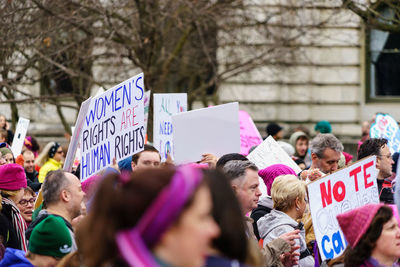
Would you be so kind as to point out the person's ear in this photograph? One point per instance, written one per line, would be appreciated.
(314, 157)
(235, 188)
(297, 203)
(378, 162)
(65, 195)
(133, 165)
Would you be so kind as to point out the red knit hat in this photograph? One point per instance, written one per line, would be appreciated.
(354, 223)
(12, 177)
(271, 172)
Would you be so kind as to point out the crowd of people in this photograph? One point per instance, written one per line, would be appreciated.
(144, 212)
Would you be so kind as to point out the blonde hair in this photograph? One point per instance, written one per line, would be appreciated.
(6, 194)
(44, 155)
(285, 189)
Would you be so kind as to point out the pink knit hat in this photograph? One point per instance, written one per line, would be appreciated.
(12, 177)
(355, 223)
(271, 172)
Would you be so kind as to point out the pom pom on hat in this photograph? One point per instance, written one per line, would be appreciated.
(323, 127)
(354, 223)
(12, 177)
(271, 172)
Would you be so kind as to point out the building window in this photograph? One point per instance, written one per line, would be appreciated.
(383, 58)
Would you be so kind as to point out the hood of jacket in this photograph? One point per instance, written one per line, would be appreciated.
(266, 202)
(273, 220)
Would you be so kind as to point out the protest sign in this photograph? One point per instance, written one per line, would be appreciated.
(339, 192)
(76, 133)
(249, 135)
(397, 188)
(147, 96)
(113, 126)
(212, 130)
(386, 127)
(19, 136)
(165, 105)
(268, 153)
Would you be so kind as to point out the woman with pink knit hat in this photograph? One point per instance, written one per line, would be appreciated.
(373, 234)
(265, 203)
(12, 184)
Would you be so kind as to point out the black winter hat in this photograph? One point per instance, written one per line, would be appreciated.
(273, 128)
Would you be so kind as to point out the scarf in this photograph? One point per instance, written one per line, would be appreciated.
(18, 222)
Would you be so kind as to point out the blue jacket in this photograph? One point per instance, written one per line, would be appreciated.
(15, 257)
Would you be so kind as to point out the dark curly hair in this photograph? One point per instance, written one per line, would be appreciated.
(362, 251)
(371, 147)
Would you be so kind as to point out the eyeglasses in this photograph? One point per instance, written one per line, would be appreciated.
(24, 202)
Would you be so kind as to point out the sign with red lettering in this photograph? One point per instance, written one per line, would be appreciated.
(337, 193)
(113, 126)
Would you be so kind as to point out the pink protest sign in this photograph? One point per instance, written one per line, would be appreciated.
(249, 135)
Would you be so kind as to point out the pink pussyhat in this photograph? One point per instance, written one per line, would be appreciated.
(12, 177)
(354, 223)
(271, 172)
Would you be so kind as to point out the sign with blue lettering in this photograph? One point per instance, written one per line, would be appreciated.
(113, 126)
(339, 192)
(386, 127)
(165, 105)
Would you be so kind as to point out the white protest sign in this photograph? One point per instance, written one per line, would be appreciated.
(339, 192)
(212, 130)
(19, 136)
(76, 133)
(113, 126)
(397, 187)
(386, 127)
(147, 96)
(269, 152)
(165, 105)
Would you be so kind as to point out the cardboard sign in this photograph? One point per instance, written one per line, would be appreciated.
(249, 135)
(339, 192)
(212, 130)
(19, 136)
(165, 105)
(386, 127)
(268, 153)
(147, 96)
(113, 126)
(76, 133)
(397, 188)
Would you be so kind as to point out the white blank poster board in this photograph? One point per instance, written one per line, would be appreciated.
(212, 130)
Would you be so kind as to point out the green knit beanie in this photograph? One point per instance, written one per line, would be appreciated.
(51, 237)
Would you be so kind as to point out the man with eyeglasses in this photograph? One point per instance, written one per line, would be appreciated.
(384, 162)
(26, 205)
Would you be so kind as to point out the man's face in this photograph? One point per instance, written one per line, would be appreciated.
(329, 161)
(147, 159)
(247, 191)
(384, 162)
(76, 195)
(29, 162)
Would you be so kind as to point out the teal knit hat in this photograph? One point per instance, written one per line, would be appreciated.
(51, 237)
(323, 127)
